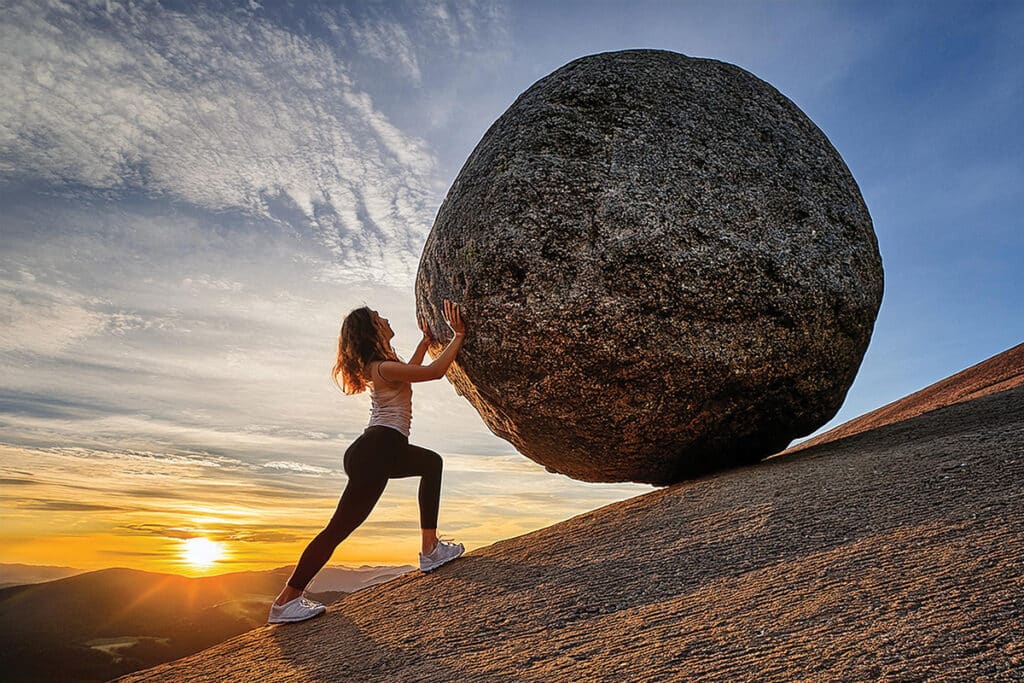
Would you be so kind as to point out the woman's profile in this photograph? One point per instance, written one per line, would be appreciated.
(366, 359)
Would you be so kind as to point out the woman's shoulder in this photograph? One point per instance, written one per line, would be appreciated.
(374, 367)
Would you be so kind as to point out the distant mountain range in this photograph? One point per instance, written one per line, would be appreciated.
(97, 625)
(15, 574)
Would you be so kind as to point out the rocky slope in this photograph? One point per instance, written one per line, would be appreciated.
(998, 373)
(897, 552)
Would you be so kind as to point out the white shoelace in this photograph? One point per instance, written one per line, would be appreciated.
(442, 543)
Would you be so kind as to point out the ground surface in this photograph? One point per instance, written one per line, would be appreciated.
(998, 373)
(896, 553)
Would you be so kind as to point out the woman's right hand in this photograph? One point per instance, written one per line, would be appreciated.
(453, 316)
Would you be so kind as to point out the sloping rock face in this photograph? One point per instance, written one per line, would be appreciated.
(894, 554)
(998, 373)
(665, 266)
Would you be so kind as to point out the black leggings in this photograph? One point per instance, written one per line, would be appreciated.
(378, 454)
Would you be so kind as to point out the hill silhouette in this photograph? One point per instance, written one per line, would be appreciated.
(101, 624)
(895, 552)
(18, 574)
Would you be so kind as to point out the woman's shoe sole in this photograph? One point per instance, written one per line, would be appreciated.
(295, 621)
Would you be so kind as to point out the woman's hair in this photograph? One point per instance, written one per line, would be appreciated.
(359, 343)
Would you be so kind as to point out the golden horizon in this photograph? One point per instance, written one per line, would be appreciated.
(92, 510)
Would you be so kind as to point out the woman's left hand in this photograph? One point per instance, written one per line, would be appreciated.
(427, 338)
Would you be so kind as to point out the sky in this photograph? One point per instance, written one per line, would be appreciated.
(194, 195)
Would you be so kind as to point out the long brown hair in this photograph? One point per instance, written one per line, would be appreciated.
(359, 343)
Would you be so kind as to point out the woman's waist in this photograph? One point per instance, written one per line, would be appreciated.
(391, 409)
(379, 431)
(398, 421)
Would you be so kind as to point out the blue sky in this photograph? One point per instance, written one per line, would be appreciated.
(192, 198)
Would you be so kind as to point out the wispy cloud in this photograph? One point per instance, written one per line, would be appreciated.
(298, 467)
(61, 505)
(27, 310)
(221, 110)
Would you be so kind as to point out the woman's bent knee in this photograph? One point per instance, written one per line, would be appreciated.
(435, 461)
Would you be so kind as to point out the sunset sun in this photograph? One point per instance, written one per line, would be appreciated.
(201, 552)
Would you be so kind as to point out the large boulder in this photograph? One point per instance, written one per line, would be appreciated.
(665, 268)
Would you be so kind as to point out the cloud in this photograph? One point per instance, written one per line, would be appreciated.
(149, 554)
(223, 111)
(239, 533)
(269, 536)
(159, 530)
(298, 467)
(194, 459)
(381, 38)
(45, 322)
(64, 506)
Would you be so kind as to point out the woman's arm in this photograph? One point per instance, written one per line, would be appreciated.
(420, 353)
(405, 372)
(421, 349)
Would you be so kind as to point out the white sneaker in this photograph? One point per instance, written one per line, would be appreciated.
(299, 609)
(442, 552)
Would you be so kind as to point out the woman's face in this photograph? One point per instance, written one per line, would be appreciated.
(384, 326)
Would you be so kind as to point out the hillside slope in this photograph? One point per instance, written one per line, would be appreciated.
(998, 373)
(101, 624)
(895, 552)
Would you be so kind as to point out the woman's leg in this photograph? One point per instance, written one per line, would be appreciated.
(414, 461)
(357, 501)
(366, 464)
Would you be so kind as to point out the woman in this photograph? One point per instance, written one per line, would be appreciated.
(367, 359)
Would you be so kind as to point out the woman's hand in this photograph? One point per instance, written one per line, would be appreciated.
(453, 316)
(428, 339)
(413, 371)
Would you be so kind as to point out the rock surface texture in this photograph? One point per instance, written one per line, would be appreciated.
(892, 555)
(665, 268)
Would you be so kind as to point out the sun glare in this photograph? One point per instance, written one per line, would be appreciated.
(201, 552)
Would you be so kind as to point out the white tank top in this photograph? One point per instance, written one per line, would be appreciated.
(390, 402)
